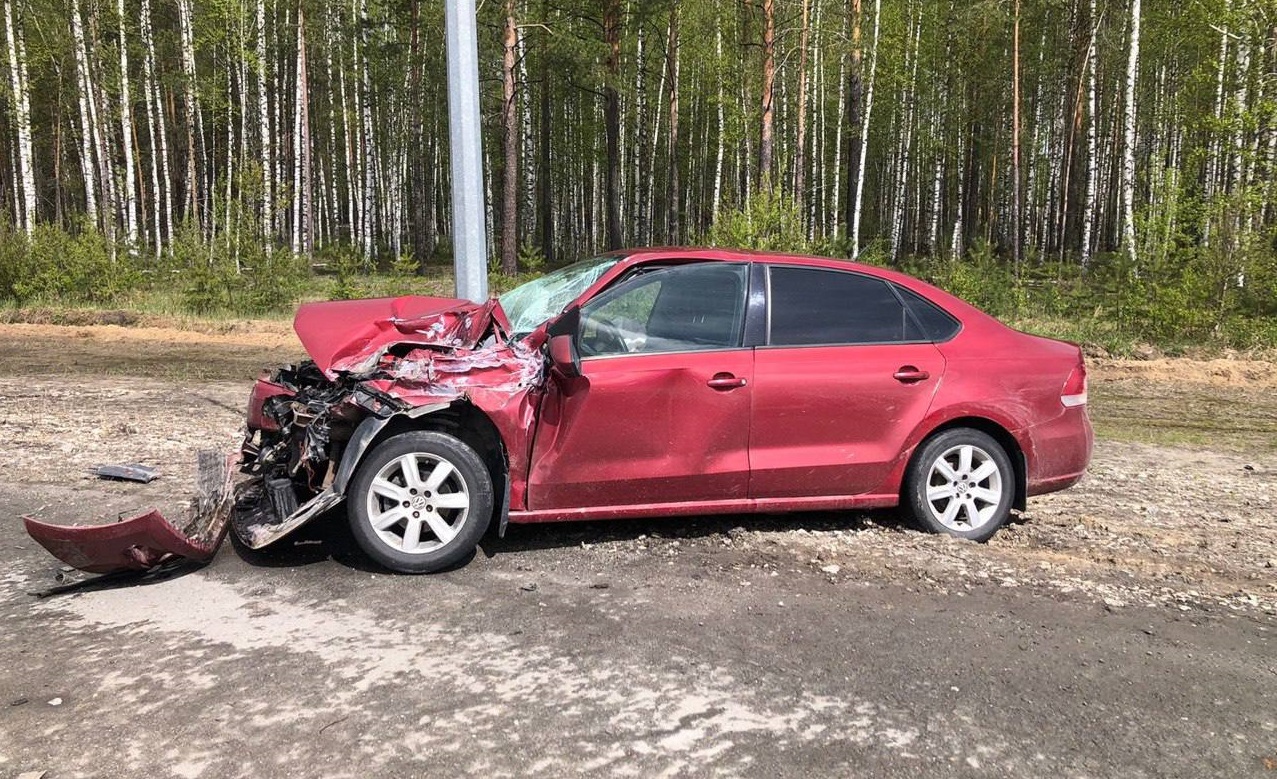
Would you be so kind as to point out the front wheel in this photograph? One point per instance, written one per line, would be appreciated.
(420, 502)
(961, 484)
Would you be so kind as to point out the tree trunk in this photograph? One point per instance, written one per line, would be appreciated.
(265, 138)
(1017, 194)
(302, 239)
(766, 139)
(22, 116)
(417, 164)
(721, 135)
(800, 144)
(126, 138)
(1092, 148)
(674, 212)
(1128, 147)
(864, 135)
(545, 194)
(510, 148)
(612, 122)
(191, 104)
(161, 194)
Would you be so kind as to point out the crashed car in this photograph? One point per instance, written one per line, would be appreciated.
(658, 383)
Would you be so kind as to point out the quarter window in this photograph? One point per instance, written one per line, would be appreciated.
(936, 324)
(812, 306)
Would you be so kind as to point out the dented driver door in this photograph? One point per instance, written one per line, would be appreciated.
(660, 411)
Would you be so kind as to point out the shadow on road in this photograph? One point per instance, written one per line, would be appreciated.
(70, 585)
(328, 537)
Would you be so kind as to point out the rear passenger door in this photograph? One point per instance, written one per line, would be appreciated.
(843, 376)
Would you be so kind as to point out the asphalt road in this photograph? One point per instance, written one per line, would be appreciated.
(554, 653)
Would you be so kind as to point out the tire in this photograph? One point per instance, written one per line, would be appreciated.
(408, 528)
(960, 483)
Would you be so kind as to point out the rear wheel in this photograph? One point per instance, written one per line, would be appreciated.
(420, 502)
(960, 483)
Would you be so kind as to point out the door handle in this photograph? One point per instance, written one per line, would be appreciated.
(725, 381)
(908, 374)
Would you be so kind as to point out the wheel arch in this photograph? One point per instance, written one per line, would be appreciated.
(995, 431)
(460, 419)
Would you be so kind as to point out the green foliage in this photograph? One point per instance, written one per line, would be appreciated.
(52, 265)
(1194, 296)
(344, 261)
(531, 259)
(770, 221)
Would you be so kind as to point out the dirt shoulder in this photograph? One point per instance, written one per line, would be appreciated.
(1175, 509)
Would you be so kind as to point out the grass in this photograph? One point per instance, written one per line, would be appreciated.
(1242, 419)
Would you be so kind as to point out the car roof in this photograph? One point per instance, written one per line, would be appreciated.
(968, 314)
(649, 254)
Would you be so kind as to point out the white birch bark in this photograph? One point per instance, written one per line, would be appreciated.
(161, 194)
(87, 164)
(230, 237)
(955, 245)
(1236, 175)
(194, 121)
(835, 213)
(349, 145)
(722, 141)
(1213, 154)
(1092, 150)
(900, 201)
(263, 128)
(301, 146)
(1128, 147)
(864, 135)
(937, 179)
(22, 117)
(368, 157)
(637, 231)
(527, 208)
(126, 138)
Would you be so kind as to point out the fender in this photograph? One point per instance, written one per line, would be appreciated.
(938, 418)
(258, 526)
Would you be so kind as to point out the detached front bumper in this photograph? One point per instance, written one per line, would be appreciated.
(141, 543)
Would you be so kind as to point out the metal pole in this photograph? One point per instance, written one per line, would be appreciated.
(470, 250)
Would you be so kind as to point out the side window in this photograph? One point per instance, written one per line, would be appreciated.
(811, 306)
(937, 325)
(674, 309)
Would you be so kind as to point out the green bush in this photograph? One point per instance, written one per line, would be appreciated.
(53, 265)
(769, 222)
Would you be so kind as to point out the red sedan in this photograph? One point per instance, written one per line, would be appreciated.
(658, 382)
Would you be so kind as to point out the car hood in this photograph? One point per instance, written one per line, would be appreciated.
(350, 336)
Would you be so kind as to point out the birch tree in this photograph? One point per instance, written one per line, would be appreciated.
(126, 136)
(1128, 146)
(864, 136)
(26, 216)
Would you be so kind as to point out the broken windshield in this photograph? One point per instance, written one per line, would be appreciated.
(528, 305)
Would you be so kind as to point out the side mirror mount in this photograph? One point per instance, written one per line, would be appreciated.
(563, 354)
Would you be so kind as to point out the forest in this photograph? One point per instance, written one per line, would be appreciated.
(1101, 169)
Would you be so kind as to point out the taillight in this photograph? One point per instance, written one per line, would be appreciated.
(1074, 391)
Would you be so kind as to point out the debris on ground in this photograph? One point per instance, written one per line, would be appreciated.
(130, 472)
(148, 540)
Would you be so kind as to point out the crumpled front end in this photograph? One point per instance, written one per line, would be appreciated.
(374, 361)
